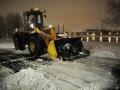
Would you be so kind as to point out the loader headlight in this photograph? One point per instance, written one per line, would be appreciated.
(50, 26)
(32, 25)
(16, 30)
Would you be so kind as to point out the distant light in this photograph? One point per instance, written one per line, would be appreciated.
(87, 39)
(101, 38)
(116, 39)
(109, 33)
(50, 26)
(93, 38)
(117, 33)
(69, 33)
(109, 39)
(36, 9)
(74, 33)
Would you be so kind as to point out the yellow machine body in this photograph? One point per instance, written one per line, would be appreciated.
(49, 40)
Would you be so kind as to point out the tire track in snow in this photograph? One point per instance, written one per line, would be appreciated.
(78, 80)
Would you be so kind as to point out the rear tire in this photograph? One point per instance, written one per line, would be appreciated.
(17, 43)
(36, 46)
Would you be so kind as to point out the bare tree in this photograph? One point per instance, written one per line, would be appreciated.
(2, 27)
(112, 14)
(13, 20)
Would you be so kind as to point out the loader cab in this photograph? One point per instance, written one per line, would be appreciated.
(33, 18)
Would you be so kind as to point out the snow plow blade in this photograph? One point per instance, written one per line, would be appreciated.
(70, 48)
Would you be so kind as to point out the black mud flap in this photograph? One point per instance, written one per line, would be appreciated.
(70, 48)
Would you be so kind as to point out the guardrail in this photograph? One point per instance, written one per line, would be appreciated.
(101, 38)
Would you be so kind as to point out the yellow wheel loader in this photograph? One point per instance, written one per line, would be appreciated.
(43, 39)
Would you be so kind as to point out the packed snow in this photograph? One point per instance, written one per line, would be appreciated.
(105, 49)
(6, 45)
(26, 79)
(77, 76)
(103, 53)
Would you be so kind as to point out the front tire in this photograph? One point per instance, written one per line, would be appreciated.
(36, 46)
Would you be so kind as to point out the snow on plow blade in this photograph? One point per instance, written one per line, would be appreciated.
(70, 48)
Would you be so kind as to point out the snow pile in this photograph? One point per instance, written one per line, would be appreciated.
(5, 71)
(101, 51)
(6, 45)
(100, 85)
(26, 79)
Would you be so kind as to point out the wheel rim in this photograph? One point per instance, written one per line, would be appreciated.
(32, 46)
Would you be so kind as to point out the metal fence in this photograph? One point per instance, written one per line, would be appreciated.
(101, 38)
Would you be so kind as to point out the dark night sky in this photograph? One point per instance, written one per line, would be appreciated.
(76, 15)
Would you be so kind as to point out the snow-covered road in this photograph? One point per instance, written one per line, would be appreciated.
(89, 73)
(77, 76)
